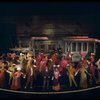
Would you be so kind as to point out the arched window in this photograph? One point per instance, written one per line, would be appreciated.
(91, 47)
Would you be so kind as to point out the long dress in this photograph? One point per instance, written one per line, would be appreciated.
(38, 62)
(11, 71)
(46, 79)
(63, 63)
(43, 64)
(71, 72)
(23, 64)
(93, 71)
(38, 59)
(2, 77)
(56, 83)
(16, 84)
(54, 59)
(30, 74)
(98, 64)
(83, 78)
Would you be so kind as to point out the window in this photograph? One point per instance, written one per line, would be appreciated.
(91, 47)
(78, 46)
(24, 44)
(35, 46)
(42, 46)
(49, 47)
(84, 46)
(73, 47)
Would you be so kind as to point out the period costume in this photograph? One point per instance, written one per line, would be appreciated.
(98, 64)
(29, 76)
(92, 70)
(83, 77)
(2, 74)
(54, 60)
(16, 81)
(71, 73)
(2, 77)
(30, 73)
(63, 62)
(23, 62)
(38, 59)
(46, 78)
(92, 67)
(55, 78)
(11, 71)
(43, 64)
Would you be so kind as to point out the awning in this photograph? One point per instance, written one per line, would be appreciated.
(81, 39)
(39, 38)
(19, 49)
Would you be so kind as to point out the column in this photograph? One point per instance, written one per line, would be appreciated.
(94, 47)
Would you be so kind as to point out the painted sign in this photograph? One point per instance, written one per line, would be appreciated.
(76, 57)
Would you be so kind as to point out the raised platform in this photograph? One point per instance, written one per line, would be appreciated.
(93, 92)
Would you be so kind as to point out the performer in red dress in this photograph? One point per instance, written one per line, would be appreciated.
(92, 67)
(16, 81)
(43, 63)
(38, 59)
(54, 60)
(2, 75)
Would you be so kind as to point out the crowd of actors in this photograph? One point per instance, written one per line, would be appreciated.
(20, 71)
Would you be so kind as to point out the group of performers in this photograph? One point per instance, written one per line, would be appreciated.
(20, 71)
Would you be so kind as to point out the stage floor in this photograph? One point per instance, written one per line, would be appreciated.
(93, 92)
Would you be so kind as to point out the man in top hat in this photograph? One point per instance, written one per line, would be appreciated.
(46, 78)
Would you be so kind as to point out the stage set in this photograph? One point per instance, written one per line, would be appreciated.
(51, 63)
(49, 55)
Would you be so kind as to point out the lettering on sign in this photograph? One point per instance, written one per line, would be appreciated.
(76, 57)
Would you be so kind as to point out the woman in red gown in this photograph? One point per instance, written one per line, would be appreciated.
(16, 81)
(2, 75)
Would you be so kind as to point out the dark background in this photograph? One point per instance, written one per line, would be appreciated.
(87, 13)
(12, 12)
